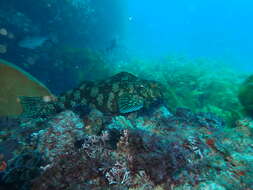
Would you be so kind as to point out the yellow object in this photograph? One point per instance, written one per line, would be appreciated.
(15, 82)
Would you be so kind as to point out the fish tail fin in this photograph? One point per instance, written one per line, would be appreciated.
(37, 107)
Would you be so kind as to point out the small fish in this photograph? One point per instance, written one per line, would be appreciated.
(32, 42)
(120, 94)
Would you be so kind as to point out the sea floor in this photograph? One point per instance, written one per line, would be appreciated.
(140, 150)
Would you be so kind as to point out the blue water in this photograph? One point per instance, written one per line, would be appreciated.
(217, 29)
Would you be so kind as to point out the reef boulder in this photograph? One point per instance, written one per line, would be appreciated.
(62, 131)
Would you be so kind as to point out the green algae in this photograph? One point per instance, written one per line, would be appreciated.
(203, 85)
(246, 95)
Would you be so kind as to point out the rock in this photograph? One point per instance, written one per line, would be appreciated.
(210, 186)
(10, 147)
(95, 121)
(184, 112)
(120, 123)
(24, 168)
(61, 134)
(242, 157)
(161, 112)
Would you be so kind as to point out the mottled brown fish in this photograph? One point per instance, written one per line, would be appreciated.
(119, 94)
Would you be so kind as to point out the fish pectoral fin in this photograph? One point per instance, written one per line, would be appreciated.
(36, 106)
(127, 103)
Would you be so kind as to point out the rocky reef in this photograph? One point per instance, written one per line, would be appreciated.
(152, 150)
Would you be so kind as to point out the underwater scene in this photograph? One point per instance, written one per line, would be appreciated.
(126, 95)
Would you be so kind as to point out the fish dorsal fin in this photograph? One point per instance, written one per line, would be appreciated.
(124, 77)
(129, 103)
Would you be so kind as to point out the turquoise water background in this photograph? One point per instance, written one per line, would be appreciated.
(218, 29)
